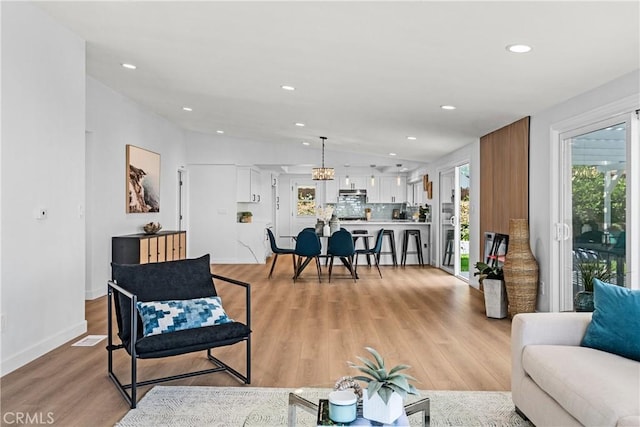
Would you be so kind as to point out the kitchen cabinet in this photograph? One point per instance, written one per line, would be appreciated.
(356, 182)
(416, 194)
(391, 192)
(248, 185)
(146, 248)
(331, 191)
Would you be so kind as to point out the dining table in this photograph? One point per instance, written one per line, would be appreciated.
(325, 244)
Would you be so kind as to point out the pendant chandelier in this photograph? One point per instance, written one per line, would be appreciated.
(322, 174)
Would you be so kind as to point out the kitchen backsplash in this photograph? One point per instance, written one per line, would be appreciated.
(379, 211)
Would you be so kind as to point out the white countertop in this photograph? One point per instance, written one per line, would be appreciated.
(383, 222)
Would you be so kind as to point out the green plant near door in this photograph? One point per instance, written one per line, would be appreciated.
(590, 270)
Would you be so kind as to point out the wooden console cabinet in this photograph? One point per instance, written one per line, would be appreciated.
(146, 248)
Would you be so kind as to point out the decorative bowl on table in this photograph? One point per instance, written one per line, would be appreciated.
(152, 228)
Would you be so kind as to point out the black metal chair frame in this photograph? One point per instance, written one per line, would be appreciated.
(131, 399)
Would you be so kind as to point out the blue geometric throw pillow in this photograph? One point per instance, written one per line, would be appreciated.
(615, 325)
(159, 317)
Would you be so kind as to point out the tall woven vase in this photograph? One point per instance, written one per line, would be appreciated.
(520, 270)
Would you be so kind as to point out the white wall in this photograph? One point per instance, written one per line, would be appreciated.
(113, 121)
(43, 123)
(212, 212)
(544, 181)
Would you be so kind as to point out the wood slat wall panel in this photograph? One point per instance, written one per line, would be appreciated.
(504, 177)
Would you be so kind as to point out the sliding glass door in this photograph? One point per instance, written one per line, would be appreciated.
(454, 220)
(594, 204)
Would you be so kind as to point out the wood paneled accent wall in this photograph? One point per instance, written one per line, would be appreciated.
(504, 178)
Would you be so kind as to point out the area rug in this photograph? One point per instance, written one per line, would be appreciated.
(257, 406)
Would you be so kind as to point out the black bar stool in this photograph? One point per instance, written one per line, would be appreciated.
(392, 245)
(405, 246)
(448, 248)
(366, 242)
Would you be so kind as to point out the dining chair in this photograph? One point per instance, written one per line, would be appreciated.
(341, 245)
(308, 246)
(279, 251)
(375, 251)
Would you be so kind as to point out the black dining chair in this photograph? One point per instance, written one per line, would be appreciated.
(279, 251)
(375, 251)
(341, 245)
(308, 246)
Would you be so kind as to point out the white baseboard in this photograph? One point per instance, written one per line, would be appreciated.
(36, 350)
(90, 294)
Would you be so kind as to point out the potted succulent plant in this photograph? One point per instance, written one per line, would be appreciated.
(588, 271)
(383, 398)
(491, 278)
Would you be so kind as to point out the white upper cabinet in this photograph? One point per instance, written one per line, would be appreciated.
(391, 192)
(356, 182)
(331, 191)
(248, 185)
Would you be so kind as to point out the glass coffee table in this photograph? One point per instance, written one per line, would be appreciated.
(307, 401)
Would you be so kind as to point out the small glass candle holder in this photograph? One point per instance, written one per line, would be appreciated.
(342, 406)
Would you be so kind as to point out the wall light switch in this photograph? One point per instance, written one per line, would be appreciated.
(41, 213)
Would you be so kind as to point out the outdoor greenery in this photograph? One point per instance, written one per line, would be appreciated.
(590, 270)
(588, 200)
(464, 215)
(306, 205)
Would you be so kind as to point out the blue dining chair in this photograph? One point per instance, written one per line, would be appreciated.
(375, 251)
(308, 246)
(279, 251)
(341, 245)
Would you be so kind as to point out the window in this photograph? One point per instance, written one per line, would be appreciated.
(306, 201)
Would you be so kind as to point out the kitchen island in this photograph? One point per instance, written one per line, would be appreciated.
(398, 227)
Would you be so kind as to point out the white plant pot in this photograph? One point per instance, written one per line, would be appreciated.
(375, 409)
(495, 298)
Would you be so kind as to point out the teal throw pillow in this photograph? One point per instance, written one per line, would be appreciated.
(159, 317)
(615, 326)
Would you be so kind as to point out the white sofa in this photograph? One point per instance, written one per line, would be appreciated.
(555, 382)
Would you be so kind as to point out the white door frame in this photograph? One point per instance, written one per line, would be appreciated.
(622, 110)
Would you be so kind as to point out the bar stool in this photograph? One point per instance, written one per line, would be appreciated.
(448, 248)
(366, 242)
(392, 245)
(405, 246)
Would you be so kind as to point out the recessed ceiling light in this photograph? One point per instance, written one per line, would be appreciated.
(285, 87)
(187, 108)
(300, 124)
(219, 131)
(305, 143)
(411, 138)
(448, 107)
(129, 66)
(519, 48)
(392, 154)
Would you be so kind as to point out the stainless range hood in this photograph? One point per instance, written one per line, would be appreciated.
(352, 192)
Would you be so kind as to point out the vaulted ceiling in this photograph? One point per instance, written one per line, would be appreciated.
(367, 75)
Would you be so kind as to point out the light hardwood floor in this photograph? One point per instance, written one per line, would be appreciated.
(303, 334)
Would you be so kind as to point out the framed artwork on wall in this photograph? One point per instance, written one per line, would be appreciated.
(142, 180)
